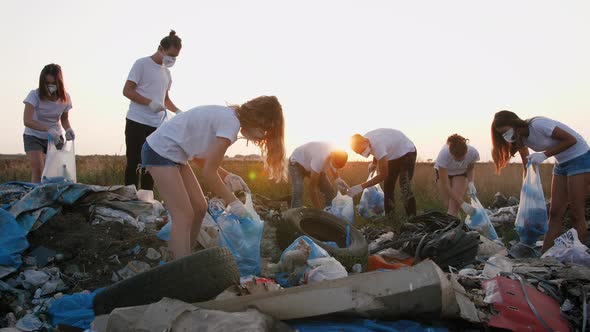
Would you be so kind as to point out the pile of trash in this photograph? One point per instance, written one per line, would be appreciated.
(96, 257)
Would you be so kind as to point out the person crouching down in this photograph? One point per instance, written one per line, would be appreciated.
(320, 161)
(203, 134)
(454, 173)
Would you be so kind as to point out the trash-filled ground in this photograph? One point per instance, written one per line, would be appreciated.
(76, 256)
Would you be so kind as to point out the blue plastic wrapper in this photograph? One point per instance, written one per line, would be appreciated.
(531, 220)
(282, 278)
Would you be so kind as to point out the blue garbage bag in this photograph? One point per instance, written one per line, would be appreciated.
(531, 220)
(372, 203)
(13, 240)
(242, 236)
(73, 310)
(480, 221)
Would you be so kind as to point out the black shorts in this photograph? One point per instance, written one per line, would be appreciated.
(34, 143)
(436, 176)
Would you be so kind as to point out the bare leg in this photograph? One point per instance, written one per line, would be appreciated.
(197, 198)
(172, 188)
(576, 189)
(559, 202)
(37, 162)
(458, 186)
(446, 198)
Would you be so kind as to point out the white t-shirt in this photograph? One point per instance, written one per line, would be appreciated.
(47, 112)
(446, 160)
(312, 156)
(153, 81)
(539, 139)
(389, 143)
(189, 134)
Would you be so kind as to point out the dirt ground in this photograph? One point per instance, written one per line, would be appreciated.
(91, 248)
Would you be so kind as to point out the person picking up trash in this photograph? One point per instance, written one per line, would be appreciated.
(396, 158)
(453, 171)
(147, 88)
(571, 172)
(320, 161)
(204, 134)
(47, 110)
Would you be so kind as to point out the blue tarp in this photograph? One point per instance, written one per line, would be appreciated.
(361, 325)
(13, 240)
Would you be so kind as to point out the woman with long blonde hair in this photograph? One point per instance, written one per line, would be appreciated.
(204, 134)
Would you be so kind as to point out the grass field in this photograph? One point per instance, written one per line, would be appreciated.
(108, 170)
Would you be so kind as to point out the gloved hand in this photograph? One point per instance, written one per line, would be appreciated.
(236, 207)
(341, 184)
(472, 190)
(156, 106)
(70, 136)
(235, 183)
(467, 208)
(536, 158)
(56, 137)
(353, 191)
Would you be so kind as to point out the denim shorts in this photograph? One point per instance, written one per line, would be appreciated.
(34, 143)
(149, 157)
(578, 165)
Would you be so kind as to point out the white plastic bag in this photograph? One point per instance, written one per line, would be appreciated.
(326, 268)
(343, 207)
(372, 201)
(531, 219)
(568, 249)
(480, 221)
(60, 165)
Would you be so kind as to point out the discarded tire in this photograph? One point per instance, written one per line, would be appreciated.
(195, 278)
(323, 227)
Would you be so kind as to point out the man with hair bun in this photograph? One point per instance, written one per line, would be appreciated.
(147, 88)
(454, 173)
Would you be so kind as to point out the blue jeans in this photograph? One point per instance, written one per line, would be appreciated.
(149, 157)
(578, 165)
(298, 174)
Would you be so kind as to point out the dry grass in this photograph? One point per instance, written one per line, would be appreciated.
(109, 170)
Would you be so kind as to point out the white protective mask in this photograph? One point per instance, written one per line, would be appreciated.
(52, 88)
(366, 152)
(168, 61)
(509, 136)
(253, 134)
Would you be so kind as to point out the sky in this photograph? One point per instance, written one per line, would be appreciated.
(428, 68)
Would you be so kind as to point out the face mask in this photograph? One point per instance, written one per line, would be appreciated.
(366, 152)
(254, 134)
(334, 169)
(168, 61)
(509, 136)
(52, 88)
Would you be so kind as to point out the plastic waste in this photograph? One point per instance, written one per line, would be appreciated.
(73, 310)
(567, 248)
(480, 221)
(241, 235)
(34, 278)
(343, 207)
(372, 201)
(325, 268)
(531, 219)
(60, 165)
(293, 261)
(29, 322)
(153, 254)
(133, 268)
(495, 265)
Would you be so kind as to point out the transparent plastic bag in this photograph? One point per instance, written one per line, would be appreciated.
(242, 236)
(531, 219)
(372, 201)
(60, 165)
(568, 249)
(480, 221)
(343, 207)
